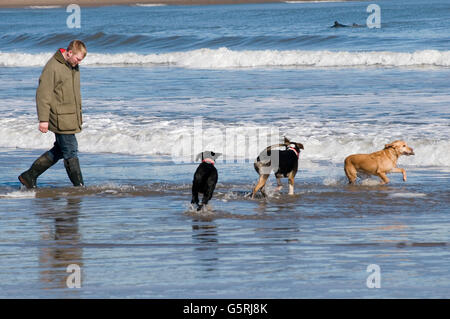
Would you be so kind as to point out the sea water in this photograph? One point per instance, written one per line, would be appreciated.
(162, 83)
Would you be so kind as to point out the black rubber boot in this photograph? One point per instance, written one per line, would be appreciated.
(29, 177)
(73, 170)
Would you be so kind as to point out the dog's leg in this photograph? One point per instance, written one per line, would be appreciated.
(280, 186)
(383, 176)
(194, 194)
(350, 172)
(208, 195)
(291, 183)
(400, 170)
(263, 191)
(261, 182)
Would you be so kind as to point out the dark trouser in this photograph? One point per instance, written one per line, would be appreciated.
(66, 146)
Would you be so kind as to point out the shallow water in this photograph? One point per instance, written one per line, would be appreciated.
(138, 238)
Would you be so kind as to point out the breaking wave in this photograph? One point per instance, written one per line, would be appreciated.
(182, 140)
(224, 58)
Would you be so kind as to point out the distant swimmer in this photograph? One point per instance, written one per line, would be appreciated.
(338, 25)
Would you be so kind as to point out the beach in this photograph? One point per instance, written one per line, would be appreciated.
(161, 84)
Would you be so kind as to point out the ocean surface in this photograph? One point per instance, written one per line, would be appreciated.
(163, 83)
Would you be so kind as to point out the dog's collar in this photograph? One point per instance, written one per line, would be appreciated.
(294, 150)
(209, 161)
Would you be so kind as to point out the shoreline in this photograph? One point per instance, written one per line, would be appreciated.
(100, 3)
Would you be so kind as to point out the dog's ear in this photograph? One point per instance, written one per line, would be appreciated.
(286, 141)
(389, 145)
(199, 157)
(300, 146)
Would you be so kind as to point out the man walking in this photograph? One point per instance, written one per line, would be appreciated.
(58, 102)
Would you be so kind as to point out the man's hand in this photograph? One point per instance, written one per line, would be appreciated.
(43, 127)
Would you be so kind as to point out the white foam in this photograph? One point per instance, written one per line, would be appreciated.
(110, 133)
(205, 211)
(224, 58)
(371, 182)
(408, 195)
(19, 194)
(335, 180)
(43, 7)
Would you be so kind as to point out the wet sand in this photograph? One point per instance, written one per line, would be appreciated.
(26, 3)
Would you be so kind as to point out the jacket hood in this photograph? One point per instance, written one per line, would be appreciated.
(60, 58)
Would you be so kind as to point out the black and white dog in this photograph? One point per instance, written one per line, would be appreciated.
(283, 162)
(205, 178)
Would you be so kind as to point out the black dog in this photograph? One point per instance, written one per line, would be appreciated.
(283, 162)
(205, 178)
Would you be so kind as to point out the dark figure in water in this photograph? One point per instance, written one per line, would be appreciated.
(338, 25)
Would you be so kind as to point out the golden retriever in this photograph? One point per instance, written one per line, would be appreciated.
(378, 163)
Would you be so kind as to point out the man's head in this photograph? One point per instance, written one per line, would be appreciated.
(76, 52)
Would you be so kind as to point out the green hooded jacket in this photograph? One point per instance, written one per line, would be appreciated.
(58, 96)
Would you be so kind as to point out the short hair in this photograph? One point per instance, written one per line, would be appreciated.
(77, 46)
